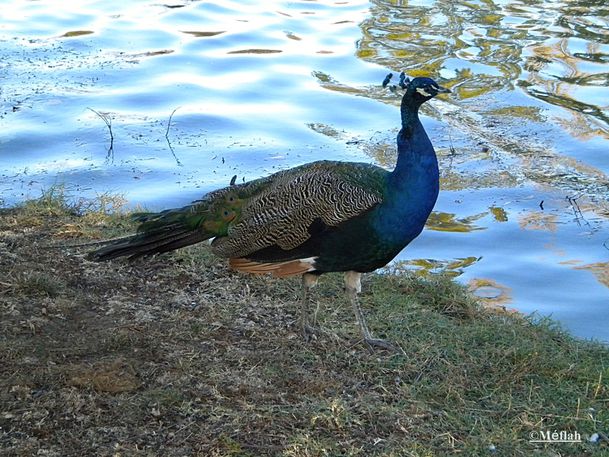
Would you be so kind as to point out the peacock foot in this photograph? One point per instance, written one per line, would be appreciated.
(381, 344)
(310, 332)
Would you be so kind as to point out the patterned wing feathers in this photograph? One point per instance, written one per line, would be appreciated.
(281, 212)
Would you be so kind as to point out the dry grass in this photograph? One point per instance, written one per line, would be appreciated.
(177, 356)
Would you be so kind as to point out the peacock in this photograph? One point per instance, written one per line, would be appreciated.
(320, 217)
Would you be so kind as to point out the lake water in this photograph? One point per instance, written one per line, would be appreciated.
(197, 92)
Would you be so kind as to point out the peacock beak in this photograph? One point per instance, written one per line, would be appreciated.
(443, 90)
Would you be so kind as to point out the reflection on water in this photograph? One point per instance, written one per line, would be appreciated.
(556, 51)
(423, 267)
(532, 84)
(499, 213)
(197, 92)
(538, 221)
(509, 62)
(446, 222)
(600, 270)
(491, 293)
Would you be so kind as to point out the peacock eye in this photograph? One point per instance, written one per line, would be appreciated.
(225, 213)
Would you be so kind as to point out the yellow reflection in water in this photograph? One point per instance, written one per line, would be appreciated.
(538, 220)
(490, 293)
(550, 49)
(425, 267)
(449, 222)
(599, 269)
(557, 89)
(76, 33)
(452, 180)
(499, 214)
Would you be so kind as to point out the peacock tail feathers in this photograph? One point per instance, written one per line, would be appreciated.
(280, 211)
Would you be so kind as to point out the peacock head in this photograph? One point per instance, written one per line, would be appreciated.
(418, 90)
(423, 89)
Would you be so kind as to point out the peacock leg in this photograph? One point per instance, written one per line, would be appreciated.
(353, 287)
(308, 320)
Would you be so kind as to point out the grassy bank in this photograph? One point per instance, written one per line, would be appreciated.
(178, 356)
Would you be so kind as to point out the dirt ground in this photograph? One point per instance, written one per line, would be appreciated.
(178, 356)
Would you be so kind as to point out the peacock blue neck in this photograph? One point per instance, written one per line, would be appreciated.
(409, 110)
(413, 185)
(416, 156)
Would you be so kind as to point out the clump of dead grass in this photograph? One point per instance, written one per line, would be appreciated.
(35, 283)
(57, 212)
(176, 355)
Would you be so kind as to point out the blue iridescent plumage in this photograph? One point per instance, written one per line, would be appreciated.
(319, 217)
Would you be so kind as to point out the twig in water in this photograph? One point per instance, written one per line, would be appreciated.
(451, 148)
(167, 137)
(452, 153)
(577, 212)
(108, 121)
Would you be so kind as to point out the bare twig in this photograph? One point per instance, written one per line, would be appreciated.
(453, 151)
(108, 121)
(167, 137)
(577, 212)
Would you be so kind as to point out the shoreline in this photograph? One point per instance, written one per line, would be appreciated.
(176, 355)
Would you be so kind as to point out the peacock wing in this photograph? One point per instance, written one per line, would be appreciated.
(281, 209)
